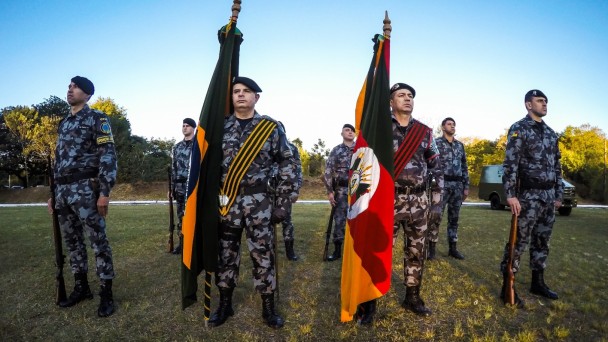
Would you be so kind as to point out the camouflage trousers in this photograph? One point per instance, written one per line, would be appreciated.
(180, 200)
(288, 227)
(534, 227)
(410, 210)
(252, 214)
(76, 206)
(452, 198)
(341, 197)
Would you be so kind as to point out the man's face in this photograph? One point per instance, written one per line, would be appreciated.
(348, 134)
(76, 95)
(187, 130)
(449, 127)
(402, 101)
(243, 97)
(538, 106)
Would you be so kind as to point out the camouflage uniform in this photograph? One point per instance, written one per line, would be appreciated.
(456, 181)
(252, 208)
(287, 224)
(180, 166)
(411, 199)
(336, 170)
(85, 168)
(533, 159)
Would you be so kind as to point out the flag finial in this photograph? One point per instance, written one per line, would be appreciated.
(236, 8)
(387, 28)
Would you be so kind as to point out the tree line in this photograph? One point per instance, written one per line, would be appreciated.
(28, 135)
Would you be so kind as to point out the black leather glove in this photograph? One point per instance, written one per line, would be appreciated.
(278, 215)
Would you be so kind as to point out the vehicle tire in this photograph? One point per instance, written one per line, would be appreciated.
(495, 203)
(565, 211)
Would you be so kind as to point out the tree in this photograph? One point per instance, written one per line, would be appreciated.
(317, 158)
(304, 156)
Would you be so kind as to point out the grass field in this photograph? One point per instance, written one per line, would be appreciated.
(462, 294)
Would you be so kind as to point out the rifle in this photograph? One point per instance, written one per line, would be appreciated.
(273, 188)
(171, 218)
(509, 291)
(60, 294)
(331, 220)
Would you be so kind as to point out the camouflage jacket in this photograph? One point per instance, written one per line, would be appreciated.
(274, 150)
(424, 161)
(298, 165)
(180, 161)
(533, 158)
(453, 160)
(85, 142)
(337, 166)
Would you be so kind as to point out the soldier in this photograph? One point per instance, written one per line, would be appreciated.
(252, 143)
(84, 173)
(180, 166)
(455, 191)
(416, 156)
(533, 184)
(336, 183)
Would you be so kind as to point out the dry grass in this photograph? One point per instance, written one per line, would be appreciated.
(462, 294)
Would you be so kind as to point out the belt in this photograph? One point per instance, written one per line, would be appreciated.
(538, 186)
(410, 190)
(342, 183)
(252, 190)
(453, 178)
(181, 180)
(76, 176)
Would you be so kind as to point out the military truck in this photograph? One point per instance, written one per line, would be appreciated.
(491, 189)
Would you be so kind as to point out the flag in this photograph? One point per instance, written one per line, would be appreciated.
(201, 218)
(367, 258)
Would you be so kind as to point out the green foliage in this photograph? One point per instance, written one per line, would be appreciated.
(317, 158)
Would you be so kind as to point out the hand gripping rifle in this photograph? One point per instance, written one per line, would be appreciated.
(509, 291)
(171, 218)
(60, 294)
(331, 220)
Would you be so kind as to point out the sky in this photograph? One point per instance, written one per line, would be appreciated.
(470, 60)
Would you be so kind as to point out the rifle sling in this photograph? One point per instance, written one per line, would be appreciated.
(241, 162)
(408, 146)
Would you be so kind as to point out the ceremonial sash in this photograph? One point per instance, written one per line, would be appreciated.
(408, 146)
(242, 161)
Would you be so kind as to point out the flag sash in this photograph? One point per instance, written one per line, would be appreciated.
(408, 146)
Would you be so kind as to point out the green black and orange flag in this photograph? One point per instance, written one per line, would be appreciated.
(367, 260)
(201, 219)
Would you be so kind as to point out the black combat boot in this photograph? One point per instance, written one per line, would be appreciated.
(539, 287)
(454, 253)
(270, 316)
(337, 252)
(431, 253)
(505, 283)
(224, 310)
(291, 255)
(81, 291)
(178, 248)
(106, 302)
(365, 312)
(413, 302)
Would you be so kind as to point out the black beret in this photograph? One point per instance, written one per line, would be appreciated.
(348, 126)
(84, 84)
(535, 93)
(398, 86)
(248, 82)
(190, 122)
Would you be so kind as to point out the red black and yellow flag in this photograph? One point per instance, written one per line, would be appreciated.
(367, 261)
(201, 219)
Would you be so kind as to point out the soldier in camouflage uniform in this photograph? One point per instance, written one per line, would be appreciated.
(533, 184)
(180, 166)
(455, 190)
(85, 172)
(288, 228)
(411, 200)
(336, 184)
(252, 209)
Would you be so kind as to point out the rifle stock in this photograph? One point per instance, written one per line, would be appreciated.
(331, 219)
(60, 294)
(509, 291)
(171, 217)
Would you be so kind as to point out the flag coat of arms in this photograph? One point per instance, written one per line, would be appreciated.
(367, 257)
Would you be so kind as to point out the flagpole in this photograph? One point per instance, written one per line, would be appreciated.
(387, 28)
(236, 9)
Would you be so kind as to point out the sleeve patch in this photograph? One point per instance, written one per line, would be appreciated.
(105, 140)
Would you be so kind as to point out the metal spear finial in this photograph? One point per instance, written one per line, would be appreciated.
(387, 28)
(236, 8)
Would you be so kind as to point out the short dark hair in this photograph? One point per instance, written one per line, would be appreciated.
(446, 120)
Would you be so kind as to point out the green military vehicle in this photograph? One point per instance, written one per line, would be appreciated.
(491, 189)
